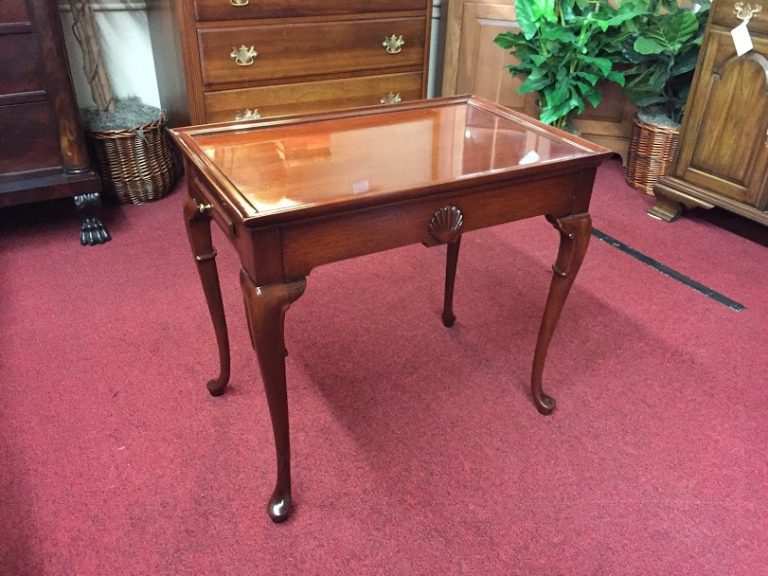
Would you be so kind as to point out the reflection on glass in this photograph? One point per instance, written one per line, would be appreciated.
(530, 157)
(280, 168)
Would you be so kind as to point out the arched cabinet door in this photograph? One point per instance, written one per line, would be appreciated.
(724, 146)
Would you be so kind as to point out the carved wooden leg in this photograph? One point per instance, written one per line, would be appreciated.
(265, 307)
(574, 239)
(450, 277)
(93, 231)
(198, 222)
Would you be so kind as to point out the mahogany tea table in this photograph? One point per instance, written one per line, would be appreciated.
(296, 192)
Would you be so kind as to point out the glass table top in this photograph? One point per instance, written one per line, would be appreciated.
(295, 165)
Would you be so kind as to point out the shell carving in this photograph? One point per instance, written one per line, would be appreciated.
(446, 224)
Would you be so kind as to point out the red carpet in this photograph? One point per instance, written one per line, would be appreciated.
(416, 448)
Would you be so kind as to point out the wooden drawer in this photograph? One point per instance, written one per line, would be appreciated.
(309, 49)
(30, 140)
(13, 12)
(20, 63)
(724, 14)
(319, 96)
(227, 10)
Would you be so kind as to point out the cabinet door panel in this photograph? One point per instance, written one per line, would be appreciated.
(13, 12)
(30, 140)
(301, 50)
(319, 96)
(20, 63)
(726, 150)
(482, 65)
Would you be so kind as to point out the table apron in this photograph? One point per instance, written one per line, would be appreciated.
(310, 243)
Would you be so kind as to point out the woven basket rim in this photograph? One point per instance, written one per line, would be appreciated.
(655, 127)
(159, 123)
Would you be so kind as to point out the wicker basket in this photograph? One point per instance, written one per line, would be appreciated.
(135, 164)
(651, 152)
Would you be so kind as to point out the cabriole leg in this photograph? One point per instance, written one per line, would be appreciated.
(449, 318)
(198, 222)
(574, 239)
(265, 308)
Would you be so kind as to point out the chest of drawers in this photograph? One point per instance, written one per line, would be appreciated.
(220, 60)
(42, 148)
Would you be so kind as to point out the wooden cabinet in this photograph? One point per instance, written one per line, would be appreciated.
(723, 156)
(42, 148)
(473, 64)
(220, 60)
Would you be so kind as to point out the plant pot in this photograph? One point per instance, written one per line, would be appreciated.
(652, 150)
(135, 164)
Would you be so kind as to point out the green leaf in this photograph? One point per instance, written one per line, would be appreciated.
(616, 76)
(685, 63)
(602, 64)
(647, 45)
(679, 28)
(594, 97)
(543, 10)
(507, 40)
(524, 9)
(561, 91)
(577, 101)
(550, 115)
(558, 34)
(534, 84)
(588, 76)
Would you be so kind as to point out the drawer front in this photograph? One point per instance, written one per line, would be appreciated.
(13, 12)
(30, 141)
(725, 15)
(322, 96)
(20, 63)
(244, 9)
(301, 50)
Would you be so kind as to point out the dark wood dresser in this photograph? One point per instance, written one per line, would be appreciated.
(220, 60)
(42, 148)
(723, 157)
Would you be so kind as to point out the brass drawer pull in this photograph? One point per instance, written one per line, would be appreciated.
(745, 12)
(394, 44)
(239, 2)
(391, 98)
(243, 56)
(203, 207)
(248, 114)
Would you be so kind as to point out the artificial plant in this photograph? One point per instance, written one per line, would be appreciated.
(564, 50)
(661, 46)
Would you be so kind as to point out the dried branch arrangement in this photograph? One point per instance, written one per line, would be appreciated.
(86, 34)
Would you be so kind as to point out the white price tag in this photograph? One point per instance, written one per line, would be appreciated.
(741, 38)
